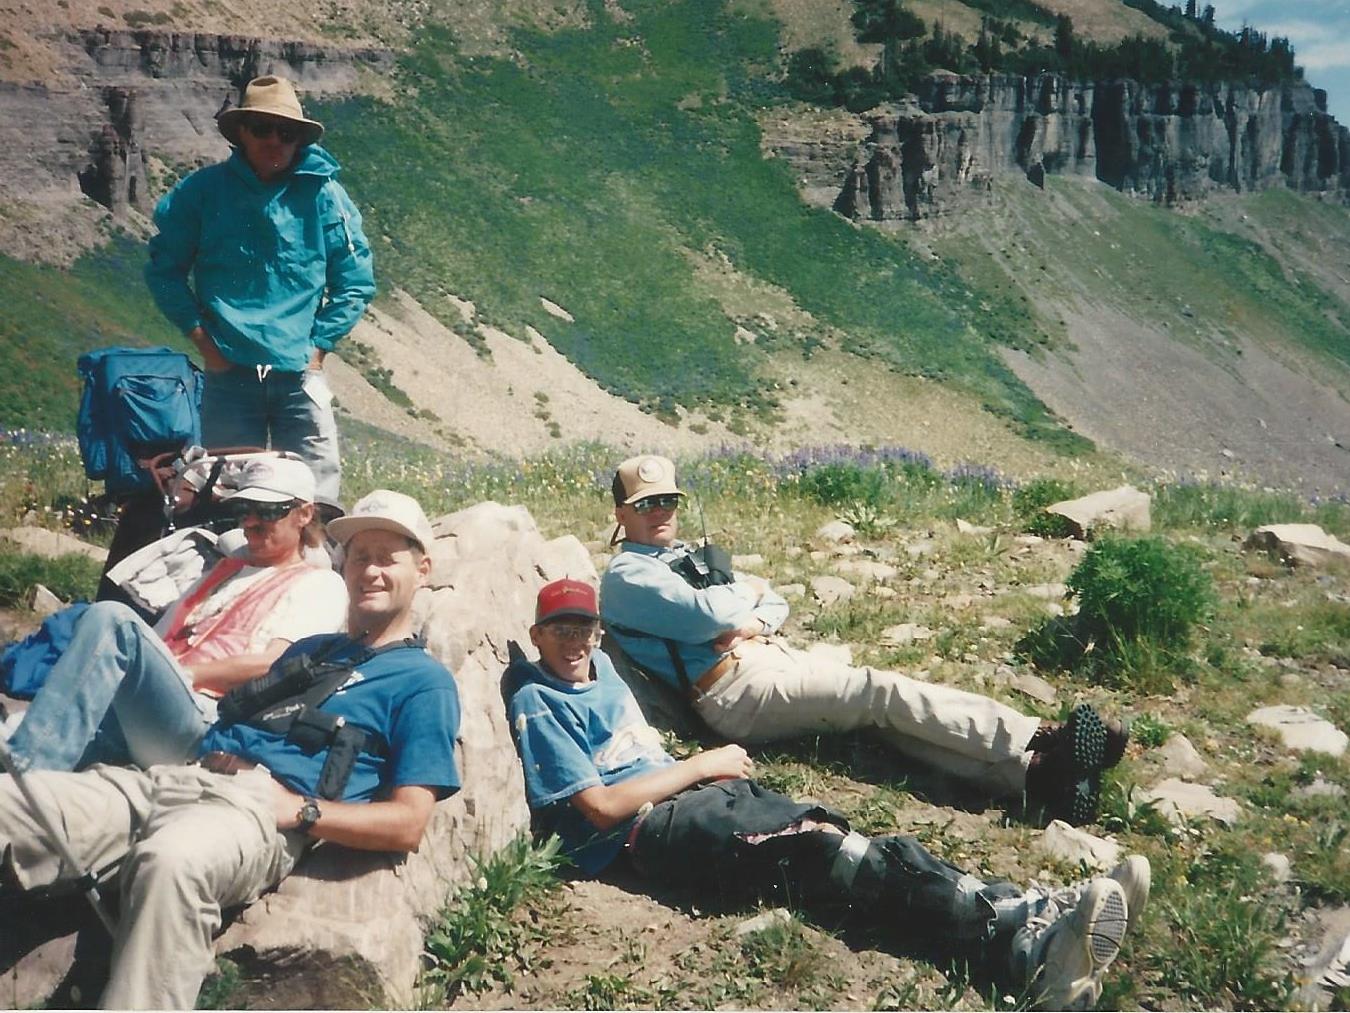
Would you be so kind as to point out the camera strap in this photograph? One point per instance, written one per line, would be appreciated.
(300, 719)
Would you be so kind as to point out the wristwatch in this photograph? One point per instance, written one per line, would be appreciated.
(308, 815)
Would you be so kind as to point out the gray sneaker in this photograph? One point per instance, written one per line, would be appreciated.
(1134, 876)
(1067, 944)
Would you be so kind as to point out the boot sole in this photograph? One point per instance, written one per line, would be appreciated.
(1088, 734)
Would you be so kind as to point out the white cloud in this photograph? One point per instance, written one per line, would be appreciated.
(1323, 55)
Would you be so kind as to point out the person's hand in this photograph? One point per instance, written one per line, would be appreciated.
(316, 358)
(754, 628)
(212, 360)
(725, 762)
(286, 806)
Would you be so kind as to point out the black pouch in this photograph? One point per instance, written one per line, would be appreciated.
(313, 729)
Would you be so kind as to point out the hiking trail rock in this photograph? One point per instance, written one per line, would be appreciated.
(51, 544)
(829, 590)
(1299, 545)
(836, 531)
(1300, 729)
(1069, 844)
(1125, 508)
(867, 570)
(905, 633)
(1180, 800)
(1178, 757)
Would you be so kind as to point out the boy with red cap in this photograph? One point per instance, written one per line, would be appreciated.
(597, 776)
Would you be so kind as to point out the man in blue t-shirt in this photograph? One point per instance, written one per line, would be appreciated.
(194, 839)
(596, 775)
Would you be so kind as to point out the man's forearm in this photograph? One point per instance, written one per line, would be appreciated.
(394, 825)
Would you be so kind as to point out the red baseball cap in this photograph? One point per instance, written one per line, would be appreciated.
(566, 598)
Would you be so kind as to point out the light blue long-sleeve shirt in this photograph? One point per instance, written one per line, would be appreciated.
(640, 591)
(277, 269)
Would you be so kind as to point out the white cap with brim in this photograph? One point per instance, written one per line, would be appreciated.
(274, 480)
(384, 510)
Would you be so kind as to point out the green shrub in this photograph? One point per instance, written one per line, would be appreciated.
(1030, 501)
(1139, 603)
(838, 484)
(69, 577)
(477, 939)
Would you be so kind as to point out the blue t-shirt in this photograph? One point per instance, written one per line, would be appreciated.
(574, 736)
(403, 694)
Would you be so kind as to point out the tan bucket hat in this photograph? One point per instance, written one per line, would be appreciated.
(268, 96)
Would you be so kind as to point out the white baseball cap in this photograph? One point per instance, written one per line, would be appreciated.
(274, 480)
(384, 510)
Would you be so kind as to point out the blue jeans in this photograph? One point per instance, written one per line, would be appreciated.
(116, 696)
(281, 411)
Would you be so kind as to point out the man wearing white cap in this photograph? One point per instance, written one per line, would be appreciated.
(280, 271)
(356, 756)
(711, 634)
(125, 693)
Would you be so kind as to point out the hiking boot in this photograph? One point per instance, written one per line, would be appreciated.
(1064, 948)
(1067, 760)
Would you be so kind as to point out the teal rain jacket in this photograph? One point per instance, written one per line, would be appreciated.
(278, 269)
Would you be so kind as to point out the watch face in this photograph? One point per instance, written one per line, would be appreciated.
(309, 814)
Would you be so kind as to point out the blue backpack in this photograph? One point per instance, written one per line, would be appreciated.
(137, 403)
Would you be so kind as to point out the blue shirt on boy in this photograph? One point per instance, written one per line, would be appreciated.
(403, 694)
(573, 736)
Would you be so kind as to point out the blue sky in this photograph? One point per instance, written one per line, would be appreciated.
(1319, 30)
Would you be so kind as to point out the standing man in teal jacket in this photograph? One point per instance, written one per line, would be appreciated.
(280, 271)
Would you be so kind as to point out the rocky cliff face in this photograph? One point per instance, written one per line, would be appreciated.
(940, 149)
(125, 99)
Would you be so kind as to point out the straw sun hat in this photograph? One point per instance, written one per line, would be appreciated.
(268, 96)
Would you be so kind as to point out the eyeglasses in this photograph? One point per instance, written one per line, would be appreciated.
(263, 129)
(667, 501)
(266, 512)
(572, 631)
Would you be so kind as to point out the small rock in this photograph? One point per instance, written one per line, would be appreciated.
(749, 562)
(1181, 759)
(829, 590)
(1074, 846)
(1279, 865)
(916, 550)
(905, 633)
(836, 531)
(995, 623)
(1125, 507)
(1320, 788)
(818, 556)
(1027, 539)
(793, 551)
(791, 591)
(866, 570)
(767, 920)
(554, 310)
(956, 602)
(1178, 800)
(1298, 545)
(882, 591)
(43, 602)
(1033, 686)
(1301, 730)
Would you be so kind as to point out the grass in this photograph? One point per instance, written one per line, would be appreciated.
(70, 577)
(477, 939)
(1216, 933)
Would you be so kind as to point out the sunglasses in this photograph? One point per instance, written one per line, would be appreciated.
(263, 129)
(572, 631)
(266, 512)
(667, 501)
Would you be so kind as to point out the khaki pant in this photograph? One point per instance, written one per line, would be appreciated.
(774, 691)
(190, 843)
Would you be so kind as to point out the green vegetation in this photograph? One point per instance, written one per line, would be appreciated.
(656, 155)
(70, 577)
(1140, 601)
(477, 939)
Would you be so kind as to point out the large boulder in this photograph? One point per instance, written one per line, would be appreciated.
(1299, 545)
(346, 928)
(52, 544)
(1125, 508)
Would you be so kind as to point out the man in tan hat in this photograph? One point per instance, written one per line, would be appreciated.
(711, 634)
(262, 262)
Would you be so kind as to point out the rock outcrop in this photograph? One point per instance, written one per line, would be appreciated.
(939, 150)
(346, 928)
(1125, 508)
(127, 101)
